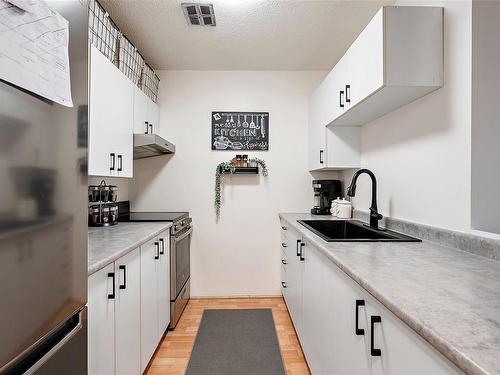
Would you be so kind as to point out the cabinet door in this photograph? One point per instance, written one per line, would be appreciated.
(141, 112)
(128, 314)
(402, 351)
(315, 318)
(103, 109)
(316, 129)
(124, 132)
(164, 283)
(149, 300)
(154, 116)
(101, 323)
(366, 62)
(337, 94)
(348, 349)
(294, 275)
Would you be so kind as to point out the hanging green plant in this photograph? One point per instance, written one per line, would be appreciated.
(228, 168)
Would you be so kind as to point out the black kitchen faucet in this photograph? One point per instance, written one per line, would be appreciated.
(351, 191)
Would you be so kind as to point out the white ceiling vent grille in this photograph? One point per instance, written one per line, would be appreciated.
(199, 14)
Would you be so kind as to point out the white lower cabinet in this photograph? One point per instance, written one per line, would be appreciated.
(101, 321)
(129, 309)
(334, 324)
(128, 314)
(155, 294)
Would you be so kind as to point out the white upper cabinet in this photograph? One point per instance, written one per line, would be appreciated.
(146, 114)
(396, 59)
(110, 119)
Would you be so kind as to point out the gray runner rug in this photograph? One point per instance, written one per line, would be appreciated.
(236, 342)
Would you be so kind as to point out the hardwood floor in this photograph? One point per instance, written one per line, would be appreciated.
(172, 356)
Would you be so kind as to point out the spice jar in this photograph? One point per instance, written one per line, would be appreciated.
(238, 161)
(104, 193)
(113, 214)
(94, 195)
(113, 193)
(244, 161)
(105, 215)
(94, 215)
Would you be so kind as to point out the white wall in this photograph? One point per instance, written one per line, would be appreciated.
(420, 153)
(240, 255)
(485, 116)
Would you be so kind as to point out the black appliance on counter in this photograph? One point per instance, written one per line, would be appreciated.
(180, 258)
(325, 191)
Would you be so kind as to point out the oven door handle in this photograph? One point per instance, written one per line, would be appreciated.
(183, 235)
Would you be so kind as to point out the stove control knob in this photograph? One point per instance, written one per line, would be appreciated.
(175, 228)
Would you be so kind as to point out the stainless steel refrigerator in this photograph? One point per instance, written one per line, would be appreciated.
(43, 222)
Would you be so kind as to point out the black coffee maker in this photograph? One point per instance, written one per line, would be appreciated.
(325, 191)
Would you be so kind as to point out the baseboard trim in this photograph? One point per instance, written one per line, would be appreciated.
(243, 296)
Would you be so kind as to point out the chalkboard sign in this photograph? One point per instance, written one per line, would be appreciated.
(240, 131)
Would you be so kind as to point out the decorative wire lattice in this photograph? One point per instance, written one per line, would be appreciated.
(150, 83)
(103, 33)
(130, 60)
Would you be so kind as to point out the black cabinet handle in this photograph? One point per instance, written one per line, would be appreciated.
(112, 295)
(284, 261)
(120, 163)
(359, 303)
(147, 127)
(157, 250)
(297, 252)
(283, 244)
(321, 161)
(162, 251)
(374, 351)
(284, 228)
(341, 99)
(112, 167)
(124, 285)
(150, 128)
(283, 284)
(302, 251)
(347, 93)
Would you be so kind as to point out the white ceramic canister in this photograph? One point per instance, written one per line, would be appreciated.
(344, 209)
(334, 206)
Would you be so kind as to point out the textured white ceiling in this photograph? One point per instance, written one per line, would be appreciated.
(250, 34)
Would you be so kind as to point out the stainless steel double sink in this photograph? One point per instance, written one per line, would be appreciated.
(353, 231)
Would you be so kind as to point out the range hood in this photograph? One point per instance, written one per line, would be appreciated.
(148, 145)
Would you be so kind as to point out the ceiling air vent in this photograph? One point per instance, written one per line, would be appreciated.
(199, 14)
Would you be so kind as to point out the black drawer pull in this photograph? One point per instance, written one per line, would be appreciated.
(112, 276)
(374, 351)
(347, 93)
(284, 228)
(112, 156)
(147, 129)
(321, 161)
(157, 250)
(283, 244)
(283, 284)
(150, 128)
(297, 252)
(120, 163)
(284, 261)
(162, 241)
(124, 285)
(341, 97)
(302, 251)
(359, 331)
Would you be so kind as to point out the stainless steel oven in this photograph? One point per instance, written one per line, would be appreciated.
(180, 260)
